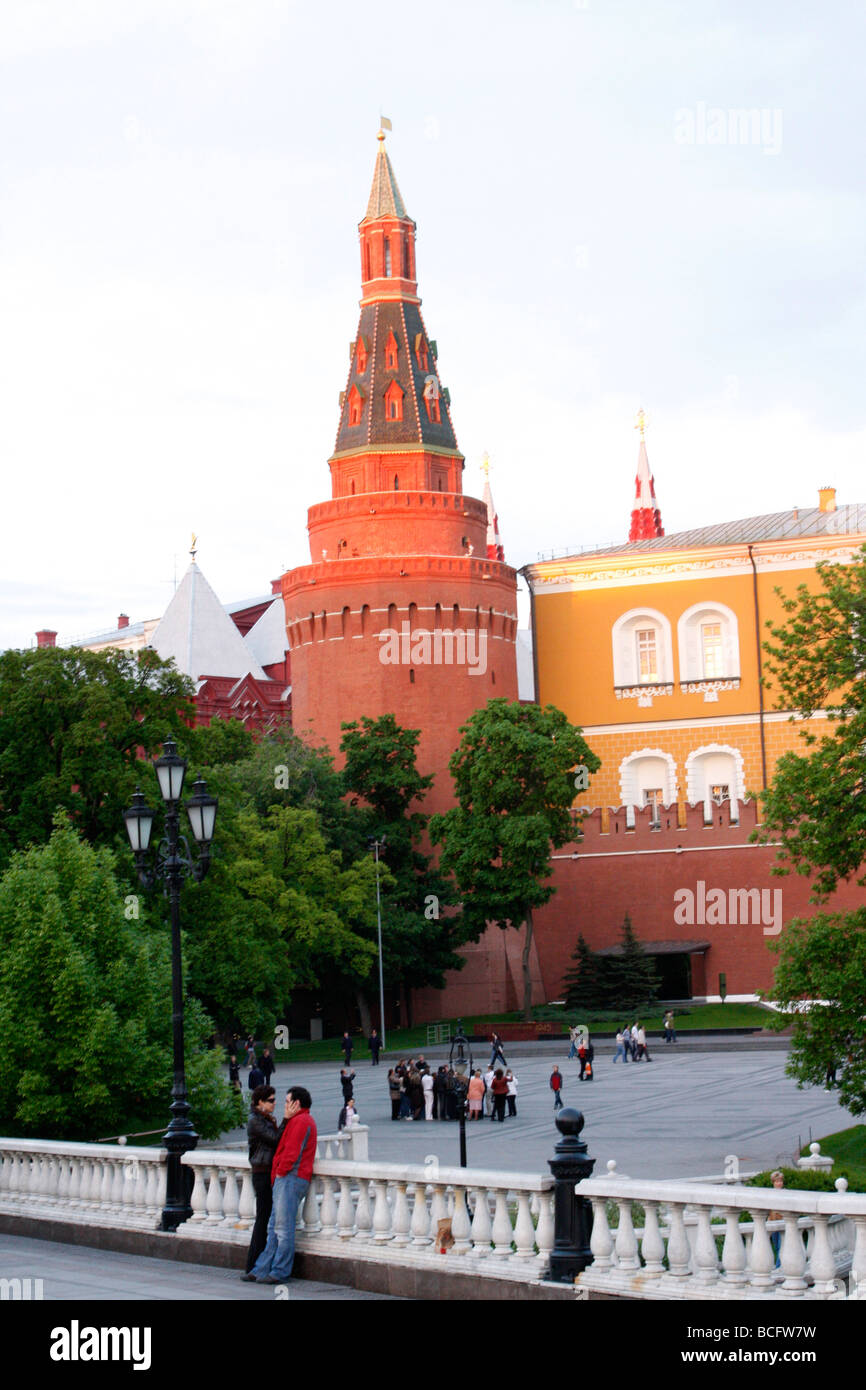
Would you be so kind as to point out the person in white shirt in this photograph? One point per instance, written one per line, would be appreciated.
(512, 1092)
(488, 1094)
(642, 1049)
(427, 1088)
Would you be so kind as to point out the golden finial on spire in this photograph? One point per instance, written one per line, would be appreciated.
(193, 544)
(640, 423)
(485, 465)
(384, 124)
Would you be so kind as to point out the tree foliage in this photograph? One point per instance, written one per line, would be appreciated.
(72, 727)
(624, 981)
(816, 806)
(581, 981)
(513, 781)
(85, 998)
(823, 961)
(420, 934)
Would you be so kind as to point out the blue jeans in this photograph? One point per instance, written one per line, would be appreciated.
(557, 1100)
(278, 1256)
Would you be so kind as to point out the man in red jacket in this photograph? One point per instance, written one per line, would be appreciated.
(290, 1174)
(556, 1088)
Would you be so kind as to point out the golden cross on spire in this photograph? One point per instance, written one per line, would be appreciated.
(485, 465)
(640, 423)
(193, 544)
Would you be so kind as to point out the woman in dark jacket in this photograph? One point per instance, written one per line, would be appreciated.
(263, 1136)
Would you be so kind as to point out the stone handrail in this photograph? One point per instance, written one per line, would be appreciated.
(390, 1212)
(676, 1254)
(95, 1184)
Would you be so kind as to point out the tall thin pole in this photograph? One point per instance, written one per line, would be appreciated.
(381, 976)
(180, 1135)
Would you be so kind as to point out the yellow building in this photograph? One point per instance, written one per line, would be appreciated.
(654, 648)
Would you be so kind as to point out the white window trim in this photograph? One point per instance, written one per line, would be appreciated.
(691, 669)
(624, 642)
(696, 792)
(627, 790)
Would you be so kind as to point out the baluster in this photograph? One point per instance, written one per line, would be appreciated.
(822, 1265)
(793, 1259)
(310, 1207)
(524, 1231)
(328, 1210)
(626, 1241)
(501, 1225)
(460, 1223)
(601, 1240)
(198, 1201)
(401, 1215)
(481, 1229)
(679, 1251)
(75, 1175)
(106, 1185)
(652, 1245)
(345, 1211)
(230, 1199)
(381, 1214)
(139, 1191)
(63, 1179)
(706, 1254)
(90, 1182)
(733, 1250)
(761, 1257)
(438, 1210)
(363, 1212)
(420, 1219)
(214, 1197)
(247, 1201)
(118, 1181)
(152, 1195)
(544, 1230)
(858, 1261)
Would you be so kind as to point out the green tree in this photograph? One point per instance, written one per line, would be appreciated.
(630, 978)
(816, 807)
(420, 933)
(823, 960)
(85, 998)
(513, 777)
(278, 911)
(581, 983)
(73, 725)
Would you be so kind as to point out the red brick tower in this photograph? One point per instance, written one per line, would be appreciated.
(402, 610)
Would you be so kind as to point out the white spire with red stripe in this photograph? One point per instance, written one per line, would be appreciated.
(646, 519)
(495, 550)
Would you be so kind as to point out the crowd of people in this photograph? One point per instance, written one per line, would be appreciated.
(419, 1091)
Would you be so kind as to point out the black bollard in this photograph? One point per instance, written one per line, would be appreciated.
(572, 1215)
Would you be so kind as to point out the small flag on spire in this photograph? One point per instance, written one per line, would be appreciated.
(384, 123)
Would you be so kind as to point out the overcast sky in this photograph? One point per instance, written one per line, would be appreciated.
(180, 187)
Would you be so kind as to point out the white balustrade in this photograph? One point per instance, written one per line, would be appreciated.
(98, 1184)
(713, 1241)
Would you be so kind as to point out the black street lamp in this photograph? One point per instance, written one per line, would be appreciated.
(460, 1081)
(174, 863)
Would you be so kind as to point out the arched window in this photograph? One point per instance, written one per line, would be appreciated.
(394, 401)
(390, 352)
(648, 777)
(714, 775)
(642, 648)
(356, 405)
(709, 643)
(387, 255)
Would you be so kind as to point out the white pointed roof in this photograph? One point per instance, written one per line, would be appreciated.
(266, 639)
(645, 494)
(198, 633)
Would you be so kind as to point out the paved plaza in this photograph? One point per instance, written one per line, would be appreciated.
(679, 1116)
(78, 1273)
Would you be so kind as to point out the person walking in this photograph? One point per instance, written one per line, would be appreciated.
(234, 1073)
(267, 1065)
(670, 1031)
(496, 1045)
(251, 1050)
(347, 1045)
(642, 1049)
(427, 1088)
(575, 1036)
(291, 1172)
(620, 1048)
(512, 1092)
(374, 1043)
(556, 1088)
(262, 1139)
(499, 1087)
(256, 1076)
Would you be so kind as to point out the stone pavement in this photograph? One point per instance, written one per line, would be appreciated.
(78, 1273)
(679, 1116)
